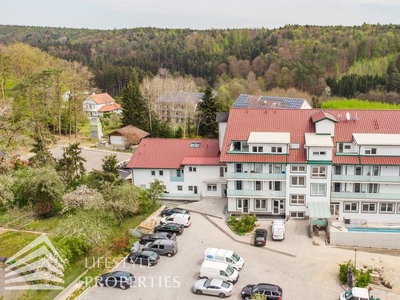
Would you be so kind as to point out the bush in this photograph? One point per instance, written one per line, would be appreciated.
(121, 245)
(362, 278)
(72, 247)
(243, 225)
(343, 268)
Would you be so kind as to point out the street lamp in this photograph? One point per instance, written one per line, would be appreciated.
(355, 258)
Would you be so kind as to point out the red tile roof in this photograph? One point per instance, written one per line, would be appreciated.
(299, 121)
(321, 114)
(101, 98)
(202, 161)
(111, 107)
(385, 160)
(170, 153)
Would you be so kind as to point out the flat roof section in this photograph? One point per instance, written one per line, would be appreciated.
(378, 139)
(269, 138)
(314, 140)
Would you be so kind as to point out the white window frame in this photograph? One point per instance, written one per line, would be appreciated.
(386, 211)
(179, 188)
(298, 180)
(161, 172)
(318, 173)
(190, 188)
(211, 187)
(276, 149)
(239, 204)
(298, 169)
(260, 204)
(237, 184)
(369, 205)
(258, 149)
(192, 169)
(297, 199)
(153, 173)
(297, 214)
(319, 188)
(319, 153)
(349, 206)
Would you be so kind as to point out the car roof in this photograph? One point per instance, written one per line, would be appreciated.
(270, 286)
(216, 281)
(121, 273)
(148, 252)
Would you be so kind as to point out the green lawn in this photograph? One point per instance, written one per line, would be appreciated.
(43, 225)
(12, 241)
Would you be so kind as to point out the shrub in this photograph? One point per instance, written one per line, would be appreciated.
(343, 268)
(121, 244)
(243, 225)
(362, 278)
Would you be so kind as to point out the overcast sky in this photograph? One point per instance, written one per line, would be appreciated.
(196, 14)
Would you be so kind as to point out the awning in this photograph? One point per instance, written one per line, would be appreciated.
(319, 210)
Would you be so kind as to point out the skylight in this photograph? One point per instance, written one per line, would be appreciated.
(195, 145)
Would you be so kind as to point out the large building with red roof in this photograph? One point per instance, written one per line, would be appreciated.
(190, 169)
(313, 163)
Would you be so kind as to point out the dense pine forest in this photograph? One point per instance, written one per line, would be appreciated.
(360, 61)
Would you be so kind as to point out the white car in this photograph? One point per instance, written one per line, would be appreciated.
(213, 287)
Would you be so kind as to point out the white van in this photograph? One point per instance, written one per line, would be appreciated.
(226, 256)
(183, 219)
(215, 269)
(355, 293)
(278, 230)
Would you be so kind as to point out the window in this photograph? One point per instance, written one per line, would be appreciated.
(357, 187)
(297, 199)
(260, 203)
(350, 207)
(386, 208)
(153, 173)
(319, 153)
(238, 168)
(275, 169)
(221, 172)
(238, 185)
(368, 208)
(211, 187)
(298, 181)
(178, 173)
(347, 147)
(192, 169)
(195, 145)
(161, 173)
(358, 170)
(297, 214)
(338, 170)
(373, 188)
(180, 188)
(318, 189)
(318, 172)
(258, 185)
(398, 208)
(239, 204)
(370, 151)
(143, 186)
(276, 149)
(274, 185)
(257, 149)
(298, 169)
(237, 146)
(190, 188)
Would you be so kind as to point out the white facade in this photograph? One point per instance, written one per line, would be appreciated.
(191, 182)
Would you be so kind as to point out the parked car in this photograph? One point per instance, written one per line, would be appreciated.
(270, 291)
(147, 258)
(183, 219)
(170, 227)
(356, 293)
(162, 247)
(226, 256)
(278, 230)
(175, 210)
(216, 269)
(157, 236)
(214, 287)
(119, 279)
(260, 237)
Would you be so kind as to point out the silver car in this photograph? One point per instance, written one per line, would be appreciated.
(214, 287)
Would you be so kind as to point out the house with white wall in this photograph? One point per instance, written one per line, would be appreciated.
(189, 168)
(96, 105)
(302, 163)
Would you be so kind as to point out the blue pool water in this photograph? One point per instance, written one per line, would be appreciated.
(374, 229)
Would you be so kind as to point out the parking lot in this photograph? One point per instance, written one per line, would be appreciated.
(311, 277)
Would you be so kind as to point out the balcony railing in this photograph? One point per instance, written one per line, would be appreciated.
(365, 178)
(176, 179)
(256, 176)
(372, 196)
(253, 193)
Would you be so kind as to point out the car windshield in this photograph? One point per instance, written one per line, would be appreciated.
(229, 270)
(153, 254)
(208, 282)
(225, 284)
(235, 257)
(256, 288)
(348, 295)
(260, 238)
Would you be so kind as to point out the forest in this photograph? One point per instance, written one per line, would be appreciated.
(351, 61)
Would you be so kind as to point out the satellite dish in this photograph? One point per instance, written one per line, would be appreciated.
(348, 116)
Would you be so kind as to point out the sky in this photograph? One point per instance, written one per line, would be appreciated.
(196, 14)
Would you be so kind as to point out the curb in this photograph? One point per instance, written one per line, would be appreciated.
(244, 243)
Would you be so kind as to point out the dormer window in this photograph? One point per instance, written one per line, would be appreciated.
(276, 149)
(370, 151)
(319, 153)
(257, 149)
(195, 145)
(237, 146)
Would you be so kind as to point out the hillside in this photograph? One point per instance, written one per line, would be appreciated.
(302, 57)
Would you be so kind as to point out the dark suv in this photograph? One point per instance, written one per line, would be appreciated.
(170, 227)
(176, 210)
(157, 236)
(119, 279)
(270, 291)
(260, 237)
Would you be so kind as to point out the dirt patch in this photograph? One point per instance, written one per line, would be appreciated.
(392, 252)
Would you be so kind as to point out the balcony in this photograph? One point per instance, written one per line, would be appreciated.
(363, 196)
(256, 176)
(253, 193)
(176, 179)
(366, 179)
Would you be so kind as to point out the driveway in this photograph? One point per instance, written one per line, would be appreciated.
(303, 270)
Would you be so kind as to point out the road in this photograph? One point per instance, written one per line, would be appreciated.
(173, 277)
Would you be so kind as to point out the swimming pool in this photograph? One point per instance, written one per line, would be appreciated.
(374, 229)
